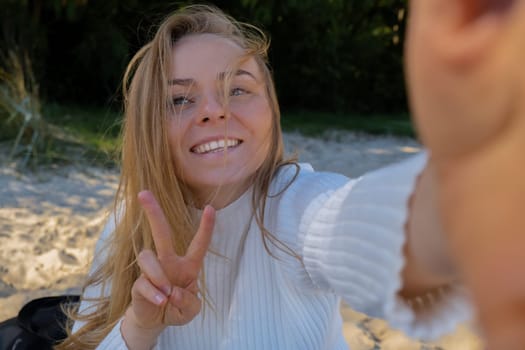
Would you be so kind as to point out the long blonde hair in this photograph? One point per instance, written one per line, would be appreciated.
(147, 163)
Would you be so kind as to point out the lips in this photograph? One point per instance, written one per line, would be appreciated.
(215, 146)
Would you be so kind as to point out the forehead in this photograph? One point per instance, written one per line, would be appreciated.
(203, 54)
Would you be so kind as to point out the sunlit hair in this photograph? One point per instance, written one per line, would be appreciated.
(147, 163)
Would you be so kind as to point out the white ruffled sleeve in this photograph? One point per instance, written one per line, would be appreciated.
(352, 241)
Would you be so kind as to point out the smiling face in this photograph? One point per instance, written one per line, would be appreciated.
(217, 146)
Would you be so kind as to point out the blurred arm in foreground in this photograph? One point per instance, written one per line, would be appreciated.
(464, 61)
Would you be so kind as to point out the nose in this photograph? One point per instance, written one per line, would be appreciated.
(213, 109)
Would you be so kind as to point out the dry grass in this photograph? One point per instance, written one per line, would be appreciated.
(20, 108)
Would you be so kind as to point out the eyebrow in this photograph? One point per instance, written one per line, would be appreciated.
(238, 73)
(221, 76)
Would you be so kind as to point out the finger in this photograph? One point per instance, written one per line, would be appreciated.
(193, 287)
(188, 303)
(201, 241)
(160, 228)
(144, 289)
(151, 268)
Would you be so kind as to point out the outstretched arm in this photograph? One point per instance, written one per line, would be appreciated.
(467, 91)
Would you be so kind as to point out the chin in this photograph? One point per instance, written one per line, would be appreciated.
(228, 181)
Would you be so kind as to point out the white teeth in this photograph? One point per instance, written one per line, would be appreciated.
(215, 146)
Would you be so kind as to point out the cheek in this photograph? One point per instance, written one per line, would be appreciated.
(262, 127)
(266, 124)
(255, 112)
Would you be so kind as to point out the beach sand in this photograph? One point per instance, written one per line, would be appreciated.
(50, 221)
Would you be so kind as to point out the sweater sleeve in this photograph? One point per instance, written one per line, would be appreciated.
(351, 240)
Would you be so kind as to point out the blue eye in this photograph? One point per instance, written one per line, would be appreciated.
(238, 92)
(181, 100)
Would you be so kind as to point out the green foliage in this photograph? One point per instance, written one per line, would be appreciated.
(316, 123)
(334, 55)
(95, 127)
(20, 115)
(341, 56)
(35, 140)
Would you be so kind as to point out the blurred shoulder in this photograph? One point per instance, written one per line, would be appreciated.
(302, 177)
(296, 186)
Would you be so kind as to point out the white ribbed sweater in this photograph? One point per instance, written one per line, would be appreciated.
(350, 236)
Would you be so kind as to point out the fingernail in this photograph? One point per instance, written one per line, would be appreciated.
(159, 299)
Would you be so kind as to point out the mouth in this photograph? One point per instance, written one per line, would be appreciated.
(215, 146)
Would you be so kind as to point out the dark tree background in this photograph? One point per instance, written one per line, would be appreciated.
(327, 55)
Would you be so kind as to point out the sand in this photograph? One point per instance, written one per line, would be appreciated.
(50, 221)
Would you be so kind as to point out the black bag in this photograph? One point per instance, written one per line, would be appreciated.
(40, 324)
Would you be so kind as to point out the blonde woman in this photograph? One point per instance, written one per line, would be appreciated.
(219, 242)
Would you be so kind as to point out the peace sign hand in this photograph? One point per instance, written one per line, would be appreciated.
(166, 291)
